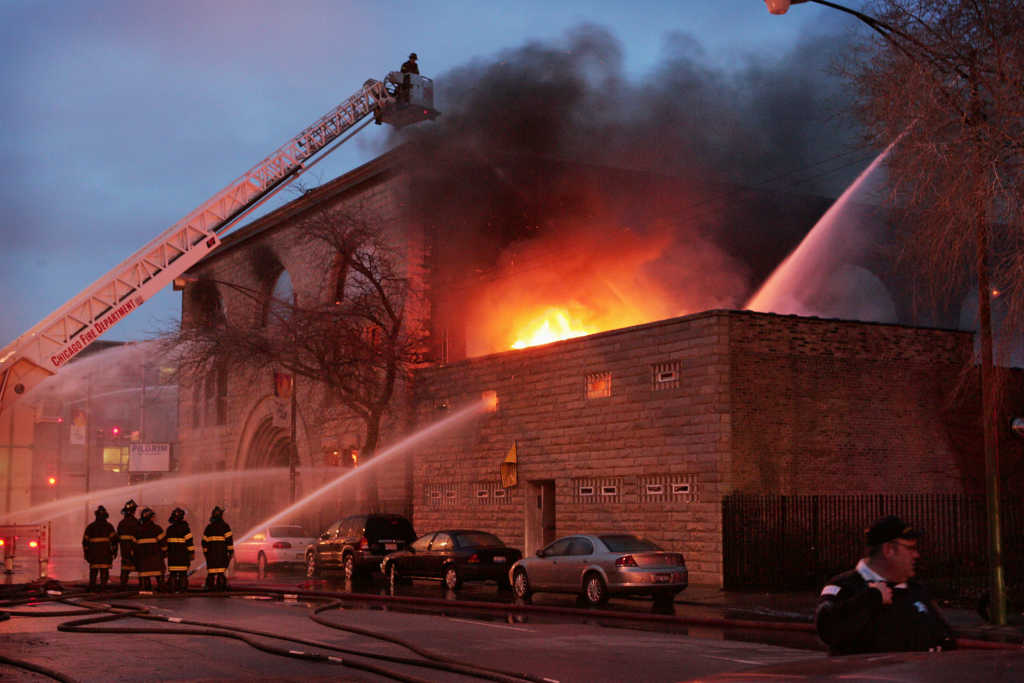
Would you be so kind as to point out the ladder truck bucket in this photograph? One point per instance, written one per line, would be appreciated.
(411, 101)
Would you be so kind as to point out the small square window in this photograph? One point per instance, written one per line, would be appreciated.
(655, 489)
(609, 490)
(586, 490)
(436, 495)
(665, 375)
(599, 385)
(449, 494)
(499, 493)
(482, 493)
(679, 489)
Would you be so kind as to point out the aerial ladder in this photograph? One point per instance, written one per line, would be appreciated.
(399, 100)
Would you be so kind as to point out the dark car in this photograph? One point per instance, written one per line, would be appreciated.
(358, 543)
(453, 556)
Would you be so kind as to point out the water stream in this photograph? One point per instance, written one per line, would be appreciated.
(821, 276)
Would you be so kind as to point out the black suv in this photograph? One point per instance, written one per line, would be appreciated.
(358, 543)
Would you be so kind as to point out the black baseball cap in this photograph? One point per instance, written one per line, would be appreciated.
(889, 528)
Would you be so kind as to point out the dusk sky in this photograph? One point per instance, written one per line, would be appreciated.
(118, 118)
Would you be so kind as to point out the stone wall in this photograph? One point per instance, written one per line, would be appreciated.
(607, 455)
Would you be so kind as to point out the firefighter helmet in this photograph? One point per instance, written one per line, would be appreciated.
(129, 507)
(101, 512)
(146, 513)
(217, 513)
(413, 56)
(177, 515)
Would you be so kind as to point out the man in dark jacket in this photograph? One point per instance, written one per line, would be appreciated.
(126, 530)
(150, 548)
(218, 547)
(410, 66)
(878, 606)
(181, 551)
(100, 546)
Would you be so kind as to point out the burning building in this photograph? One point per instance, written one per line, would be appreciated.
(656, 404)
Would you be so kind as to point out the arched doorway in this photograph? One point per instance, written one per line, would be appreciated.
(270, 446)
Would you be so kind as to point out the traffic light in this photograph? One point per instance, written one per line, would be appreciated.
(115, 431)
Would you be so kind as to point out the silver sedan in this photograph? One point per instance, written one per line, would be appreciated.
(601, 565)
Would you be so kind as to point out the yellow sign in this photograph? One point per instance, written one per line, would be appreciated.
(508, 468)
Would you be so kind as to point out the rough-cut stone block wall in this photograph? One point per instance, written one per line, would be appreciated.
(207, 446)
(830, 407)
(634, 440)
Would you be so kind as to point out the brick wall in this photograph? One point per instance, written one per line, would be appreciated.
(635, 439)
(827, 406)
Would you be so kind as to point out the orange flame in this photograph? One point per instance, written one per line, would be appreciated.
(550, 325)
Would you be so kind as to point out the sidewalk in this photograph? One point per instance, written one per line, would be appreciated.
(799, 607)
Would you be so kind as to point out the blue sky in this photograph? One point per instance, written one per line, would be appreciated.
(118, 118)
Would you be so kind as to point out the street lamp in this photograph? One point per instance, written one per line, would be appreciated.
(918, 53)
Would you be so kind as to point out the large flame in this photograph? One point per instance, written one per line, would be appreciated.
(584, 280)
(551, 325)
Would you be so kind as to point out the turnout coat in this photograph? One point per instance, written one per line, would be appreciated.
(100, 544)
(150, 548)
(127, 528)
(218, 546)
(181, 549)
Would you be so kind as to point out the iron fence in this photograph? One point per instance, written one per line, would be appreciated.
(776, 542)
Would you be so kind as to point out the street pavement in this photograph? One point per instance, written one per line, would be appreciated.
(553, 650)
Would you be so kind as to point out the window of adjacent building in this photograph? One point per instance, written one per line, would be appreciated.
(586, 490)
(115, 458)
(599, 385)
(609, 490)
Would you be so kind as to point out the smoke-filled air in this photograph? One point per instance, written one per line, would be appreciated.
(586, 199)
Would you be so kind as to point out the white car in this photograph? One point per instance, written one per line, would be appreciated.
(276, 545)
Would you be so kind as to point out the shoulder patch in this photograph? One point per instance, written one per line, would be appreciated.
(830, 590)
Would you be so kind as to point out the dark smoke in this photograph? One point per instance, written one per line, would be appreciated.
(556, 138)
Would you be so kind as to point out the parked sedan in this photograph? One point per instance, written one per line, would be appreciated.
(453, 556)
(274, 545)
(598, 566)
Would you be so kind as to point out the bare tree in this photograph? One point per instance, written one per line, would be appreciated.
(947, 81)
(356, 339)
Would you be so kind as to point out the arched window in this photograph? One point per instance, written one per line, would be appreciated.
(341, 268)
(281, 301)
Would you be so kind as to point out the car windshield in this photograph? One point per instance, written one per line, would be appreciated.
(622, 543)
(469, 539)
(288, 532)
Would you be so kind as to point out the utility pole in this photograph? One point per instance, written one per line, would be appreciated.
(293, 456)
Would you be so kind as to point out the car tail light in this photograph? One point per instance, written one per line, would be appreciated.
(474, 559)
(280, 545)
(33, 544)
(363, 543)
(625, 561)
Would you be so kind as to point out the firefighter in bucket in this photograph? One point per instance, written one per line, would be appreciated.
(218, 547)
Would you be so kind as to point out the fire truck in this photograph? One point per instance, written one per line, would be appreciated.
(399, 100)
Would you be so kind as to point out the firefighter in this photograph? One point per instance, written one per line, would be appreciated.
(181, 550)
(100, 546)
(218, 547)
(127, 528)
(409, 67)
(150, 548)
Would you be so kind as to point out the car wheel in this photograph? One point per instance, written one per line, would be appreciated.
(261, 566)
(311, 568)
(451, 579)
(594, 590)
(521, 585)
(349, 565)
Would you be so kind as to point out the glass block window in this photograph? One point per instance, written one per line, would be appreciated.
(598, 490)
(491, 493)
(665, 375)
(599, 385)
